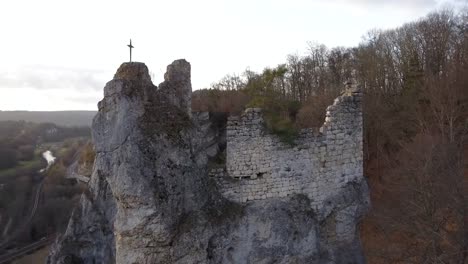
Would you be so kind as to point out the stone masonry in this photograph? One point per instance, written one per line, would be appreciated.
(260, 166)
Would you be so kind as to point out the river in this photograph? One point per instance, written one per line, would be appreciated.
(47, 155)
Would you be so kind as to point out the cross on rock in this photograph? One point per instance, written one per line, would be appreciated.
(131, 47)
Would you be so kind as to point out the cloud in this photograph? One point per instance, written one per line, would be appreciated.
(456, 3)
(84, 99)
(48, 77)
(405, 4)
(48, 100)
(398, 2)
(414, 4)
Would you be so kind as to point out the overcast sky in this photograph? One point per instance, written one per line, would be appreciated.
(58, 55)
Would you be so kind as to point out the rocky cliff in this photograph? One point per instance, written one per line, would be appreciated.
(153, 198)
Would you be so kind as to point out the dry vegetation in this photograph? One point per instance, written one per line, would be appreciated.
(415, 81)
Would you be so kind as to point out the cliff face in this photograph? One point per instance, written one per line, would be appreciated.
(152, 197)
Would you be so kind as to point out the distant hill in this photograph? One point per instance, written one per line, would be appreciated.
(60, 118)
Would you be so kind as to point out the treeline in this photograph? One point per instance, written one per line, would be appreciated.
(415, 84)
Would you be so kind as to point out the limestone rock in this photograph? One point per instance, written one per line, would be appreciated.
(151, 198)
(177, 85)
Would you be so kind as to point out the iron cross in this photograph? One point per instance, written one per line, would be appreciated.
(131, 47)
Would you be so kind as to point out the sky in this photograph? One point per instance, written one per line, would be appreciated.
(58, 55)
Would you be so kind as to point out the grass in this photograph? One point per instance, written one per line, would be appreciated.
(37, 162)
(8, 173)
(24, 167)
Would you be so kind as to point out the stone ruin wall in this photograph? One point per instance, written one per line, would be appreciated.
(260, 166)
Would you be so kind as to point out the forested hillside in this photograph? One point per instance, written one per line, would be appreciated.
(415, 83)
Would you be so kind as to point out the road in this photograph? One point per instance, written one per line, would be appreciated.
(36, 201)
(6, 258)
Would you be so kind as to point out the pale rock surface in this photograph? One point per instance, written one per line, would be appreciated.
(151, 199)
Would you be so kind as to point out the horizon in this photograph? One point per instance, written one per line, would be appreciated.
(67, 71)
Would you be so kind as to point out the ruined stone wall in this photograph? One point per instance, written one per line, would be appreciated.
(260, 166)
(150, 200)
